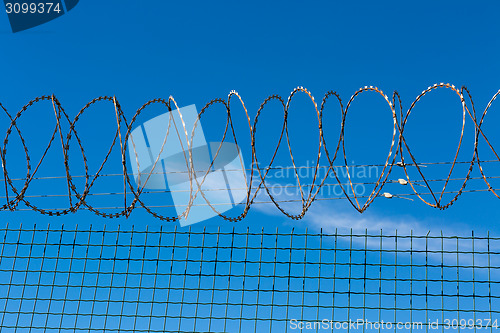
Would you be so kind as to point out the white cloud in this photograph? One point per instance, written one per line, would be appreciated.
(335, 218)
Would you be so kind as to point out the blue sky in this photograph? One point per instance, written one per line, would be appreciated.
(197, 51)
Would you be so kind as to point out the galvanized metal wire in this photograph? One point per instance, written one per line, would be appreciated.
(399, 147)
(165, 279)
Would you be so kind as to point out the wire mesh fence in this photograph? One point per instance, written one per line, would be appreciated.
(164, 279)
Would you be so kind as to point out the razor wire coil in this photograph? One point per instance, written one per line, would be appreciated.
(399, 147)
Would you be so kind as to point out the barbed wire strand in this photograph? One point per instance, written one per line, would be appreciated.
(398, 147)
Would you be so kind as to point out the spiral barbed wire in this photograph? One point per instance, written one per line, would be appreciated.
(399, 147)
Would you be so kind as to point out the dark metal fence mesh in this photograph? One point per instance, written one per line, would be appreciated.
(238, 280)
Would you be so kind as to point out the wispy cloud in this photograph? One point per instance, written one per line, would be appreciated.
(449, 250)
(420, 240)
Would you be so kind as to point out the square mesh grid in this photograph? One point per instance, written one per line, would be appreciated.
(166, 279)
